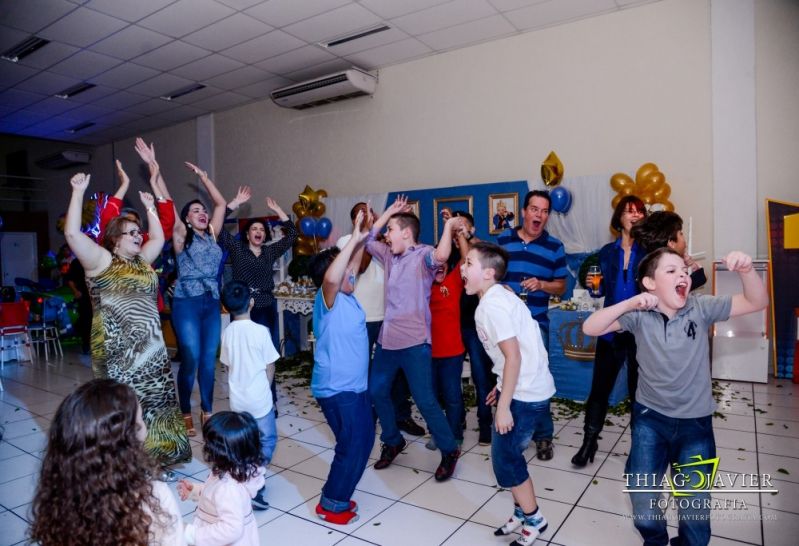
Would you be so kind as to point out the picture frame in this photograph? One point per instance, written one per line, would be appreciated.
(503, 212)
(415, 208)
(465, 202)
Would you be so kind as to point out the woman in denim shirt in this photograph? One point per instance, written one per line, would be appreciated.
(195, 306)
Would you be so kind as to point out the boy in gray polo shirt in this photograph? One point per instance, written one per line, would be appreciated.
(674, 407)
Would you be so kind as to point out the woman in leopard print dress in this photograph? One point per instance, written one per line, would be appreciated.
(127, 344)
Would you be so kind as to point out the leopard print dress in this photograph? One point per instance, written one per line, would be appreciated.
(127, 346)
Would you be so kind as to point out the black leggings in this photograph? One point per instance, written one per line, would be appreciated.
(610, 357)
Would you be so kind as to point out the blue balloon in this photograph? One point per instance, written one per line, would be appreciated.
(561, 199)
(308, 226)
(323, 228)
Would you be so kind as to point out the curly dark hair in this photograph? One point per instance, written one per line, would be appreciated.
(233, 445)
(95, 484)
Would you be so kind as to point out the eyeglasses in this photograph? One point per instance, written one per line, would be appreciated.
(633, 211)
(132, 232)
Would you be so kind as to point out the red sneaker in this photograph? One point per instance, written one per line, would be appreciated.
(339, 518)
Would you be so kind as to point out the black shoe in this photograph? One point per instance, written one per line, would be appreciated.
(388, 454)
(258, 501)
(409, 425)
(485, 438)
(543, 449)
(587, 450)
(447, 466)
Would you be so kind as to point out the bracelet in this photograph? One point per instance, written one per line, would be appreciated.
(160, 198)
(152, 209)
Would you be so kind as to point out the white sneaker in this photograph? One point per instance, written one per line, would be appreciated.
(531, 528)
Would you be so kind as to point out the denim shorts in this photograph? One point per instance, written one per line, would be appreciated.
(507, 450)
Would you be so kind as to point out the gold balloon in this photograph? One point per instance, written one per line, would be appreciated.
(620, 181)
(668, 205)
(299, 209)
(627, 190)
(662, 194)
(615, 202)
(552, 170)
(646, 198)
(645, 170)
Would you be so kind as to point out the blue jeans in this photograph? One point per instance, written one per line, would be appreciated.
(657, 442)
(400, 393)
(415, 362)
(267, 316)
(482, 377)
(507, 450)
(447, 386)
(544, 427)
(267, 427)
(197, 324)
(350, 418)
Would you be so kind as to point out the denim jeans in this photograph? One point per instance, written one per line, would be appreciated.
(447, 386)
(349, 417)
(610, 357)
(197, 324)
(267, 427)
(507, 450)
(415, 362)
(400, 393)
(483, 379)
(657, 442)
(267, 316)
(544, 427)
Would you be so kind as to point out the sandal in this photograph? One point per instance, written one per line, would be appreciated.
(204, 416)
(189, 423)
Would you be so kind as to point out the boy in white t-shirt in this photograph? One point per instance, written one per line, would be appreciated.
(512, 339)
(249, 354)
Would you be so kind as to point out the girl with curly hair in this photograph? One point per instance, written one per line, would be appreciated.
(224, 515)
(97, 483)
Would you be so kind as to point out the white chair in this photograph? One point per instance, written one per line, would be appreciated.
(14, 333)
(44, 331)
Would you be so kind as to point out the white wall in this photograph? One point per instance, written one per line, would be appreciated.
(777, 68)
(607, 94)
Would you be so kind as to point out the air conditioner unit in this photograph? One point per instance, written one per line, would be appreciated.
(326, 89)
(62, 160)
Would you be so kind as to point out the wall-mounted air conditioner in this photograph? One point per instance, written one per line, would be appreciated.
(62, 160)
(326, 89)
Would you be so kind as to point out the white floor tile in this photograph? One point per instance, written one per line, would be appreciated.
(289, 529)
(734, 439)
(608, 496)
(499, 508)
(25, 427)
(369, 506)
(780, 468)
(13, 528)
(778, 445)
(586, 526)
(453, 497)
(19, 491)
(289, 452)
(475, 534)
(403, 524)
(780, 528)
(786, 500)
(318, 434)
(17, 467)
(393, 482)
(7, 451)
(558, 484)
(732, 421)
(289, 489)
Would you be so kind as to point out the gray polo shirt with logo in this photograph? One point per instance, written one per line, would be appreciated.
(674, 356)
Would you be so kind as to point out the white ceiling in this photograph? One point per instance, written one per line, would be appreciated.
(138, 50)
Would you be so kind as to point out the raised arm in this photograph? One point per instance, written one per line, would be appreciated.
(444, 248)
(152, 248)
(342, 271)
(286, 242)
(399, 205)
(606, 320)
(242, 196)
(92, 256)
(218, 214)
(754, 297)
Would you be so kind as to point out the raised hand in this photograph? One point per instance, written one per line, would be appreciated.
(196, 170)
(357, 233)
(147, 199)
(242, 196)
(400, 204)
(124, 180)
(738, 261)
(446, 214)
(147, 154)
(80, 181)
(184, 488)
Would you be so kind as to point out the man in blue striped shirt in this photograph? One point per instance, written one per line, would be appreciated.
(538, 266)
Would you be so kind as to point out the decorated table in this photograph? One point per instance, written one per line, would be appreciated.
(571, 357)
(297, 298)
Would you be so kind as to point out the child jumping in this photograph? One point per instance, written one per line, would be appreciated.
(404, 340)
(513, 341)
(674, 403)
(340, 373)
(224, 514)
(248, 353)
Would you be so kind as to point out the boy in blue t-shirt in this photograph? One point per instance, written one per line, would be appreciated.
(340, 373)
(674, 403)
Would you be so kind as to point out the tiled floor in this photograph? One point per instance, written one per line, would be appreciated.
(758, 432)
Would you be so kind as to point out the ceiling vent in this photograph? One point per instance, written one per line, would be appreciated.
(326, 89)
(62, 160)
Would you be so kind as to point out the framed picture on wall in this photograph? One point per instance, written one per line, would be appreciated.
(415, 208)
(503, 210)
(453, 204)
